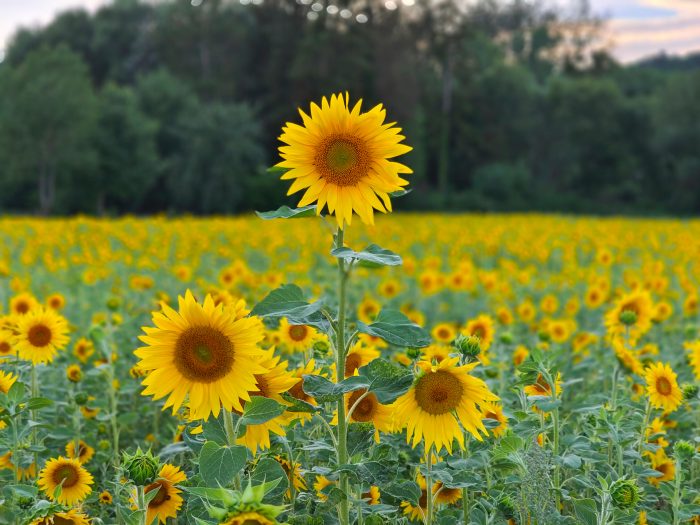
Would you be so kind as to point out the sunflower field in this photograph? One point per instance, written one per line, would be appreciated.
(314, 365)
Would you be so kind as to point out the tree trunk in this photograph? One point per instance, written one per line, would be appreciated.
(444, 148)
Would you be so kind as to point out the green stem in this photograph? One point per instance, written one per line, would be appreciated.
(429, 487)
(645, 424)
(677, 493)
(231, 436)
(343, 506)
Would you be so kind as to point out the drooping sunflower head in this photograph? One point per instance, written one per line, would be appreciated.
(68, 474)
(85, 451)
(40, 334)
(662, 387)
(167, 500)
(202, 351)
(342, 158)
(70, 517)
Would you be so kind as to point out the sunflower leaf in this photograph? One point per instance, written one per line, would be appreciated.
(325, 391)
(371, 257)
(386, 380)
(404, 491)
(394, 327)
(288, 301)
(285, 212)
(260, 410)
(267, 470)
(218, 465)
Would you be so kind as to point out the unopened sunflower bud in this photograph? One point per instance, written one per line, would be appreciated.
(103, 444)
(683, 450)
(625, 494)
(690, 391)
(506, 338)
(468, 345)
(81, 399)
(544, 336)
(113, 303)
(321, 347)
(413, 353)
(628, 317)
(690, 331)
(141, 467)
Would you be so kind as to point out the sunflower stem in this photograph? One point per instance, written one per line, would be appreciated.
(343, 506)
(645, 424)
(466, 503)
(35, 393)
(429, 486)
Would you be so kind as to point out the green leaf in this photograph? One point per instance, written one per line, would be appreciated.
(36, 403)
(16, 392)
(400, 193)
(404, 491)
(288, 301)
(285, 212)
(386, 380)
(371, 257)
(394, 327)
(268, 470)
(572, 461)
(260, 410)
(586, 511)
(218, 465)
(325, 391)
(299, 405)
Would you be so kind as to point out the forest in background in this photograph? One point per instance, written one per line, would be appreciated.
(174, 107)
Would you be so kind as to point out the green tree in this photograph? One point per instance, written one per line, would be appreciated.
(48, 114)
(126, 150)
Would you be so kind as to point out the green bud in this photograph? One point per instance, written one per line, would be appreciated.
(628, 317)
(413, 353)
(544, 336)
(101, 428)
(113, 303)
(683, 450)
(468, 345)
(24, 502)
(506, 338)
(690, 391)
(625, 493)
(81, 398)
(690, 331)
(103, 444)
(96, 335)
(321, 348)
(140, 467)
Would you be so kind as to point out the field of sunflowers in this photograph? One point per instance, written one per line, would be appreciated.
(291, 368)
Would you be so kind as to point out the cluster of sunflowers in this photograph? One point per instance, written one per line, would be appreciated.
(515, 369)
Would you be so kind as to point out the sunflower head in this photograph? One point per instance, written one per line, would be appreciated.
(65, 480)
(40, 334)
(341, 157)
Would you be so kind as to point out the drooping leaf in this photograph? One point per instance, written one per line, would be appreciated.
(386, 380)
(394, 327)
(260, 410)
(288, 301)
(285, 212)
(325, 391)
(371, 257)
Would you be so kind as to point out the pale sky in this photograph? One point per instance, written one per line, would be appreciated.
(639, 27)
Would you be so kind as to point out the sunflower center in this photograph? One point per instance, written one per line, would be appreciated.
(478, 331)
(263, 387)
(491, 415)
(4, 347)
(250, 521)
(39, 335)
(443, 333)
(298, 332)
(663, 386)
(365, 409)
(161, 496)
(438, 392)
(22, 307)
(58, 520)
(66, 474)
(342, 160)
(203, 354)
(352, 363)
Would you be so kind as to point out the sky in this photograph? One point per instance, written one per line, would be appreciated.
(638, 27)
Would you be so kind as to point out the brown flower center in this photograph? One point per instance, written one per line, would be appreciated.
(66, 474)
(39, 335)
(203, 354)
(298, 332)
(663, 386)
(438, 392)
(365, 409)
(342, 160)
(161, 496)
(5, 348)
(21, 307)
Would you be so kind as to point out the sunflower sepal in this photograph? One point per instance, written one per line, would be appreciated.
(373, 256)
(285, 212)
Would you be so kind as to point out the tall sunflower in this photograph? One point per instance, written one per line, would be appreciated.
(443, 396)
(40, 334)
(341, 157)
(70, 476)
(202, 351)
(662, 387)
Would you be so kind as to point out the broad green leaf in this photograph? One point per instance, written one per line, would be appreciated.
(298, 405)
(268, 470)
(394, 327)
(371, 257)
(285, 212)
(36, 403)
(586, 511)
(288, 301)
(260, 410)
(386, 380)
(325, 391)
(404, 491)
(218, 465)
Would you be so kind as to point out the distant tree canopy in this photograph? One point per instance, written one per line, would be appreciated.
(142, 107)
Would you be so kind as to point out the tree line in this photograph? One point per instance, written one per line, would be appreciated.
(174, 107)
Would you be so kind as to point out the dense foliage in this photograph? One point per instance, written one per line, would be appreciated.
(174, 107)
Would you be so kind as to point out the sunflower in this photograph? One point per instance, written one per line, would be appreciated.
(68, 474)
(657, 431)
(167, 500)
(494, 411)
(417, 513)
(21, 473)
(341, 157)
(559, 330)
(443, 333)
(444, 495)
(7, 343)
(520, 354)
(368, 310)
(627, 357)
(297, 391)
(40, 334)
(74, 373)
(526, 311)
(320, 485)
(542, 388)
(23, 303)
(437, 352)
(105, 498)
(271, 384)
(442, 397)
(693, 349)
(483, 328)
(83, 349)
(389, 288)
(7, 379)
(663, 464)
(662, 387)
(293, 471)
(372, 496)
(296, 337)
(70, 517)
(358, 356)
(250, 518)
(640, 304)
(368, 409)
(204, 352)
(56, 301)
(85, 452)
